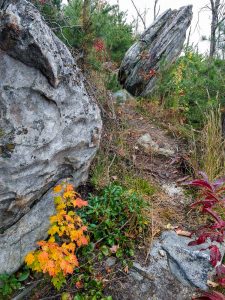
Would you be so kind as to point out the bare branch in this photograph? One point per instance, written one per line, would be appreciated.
(156, 13)
(140, 16)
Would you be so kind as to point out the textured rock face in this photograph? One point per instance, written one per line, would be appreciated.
(50, 127)
(161, 42)
(174, 271)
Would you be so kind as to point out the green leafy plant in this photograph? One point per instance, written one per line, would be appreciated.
(11, 283)
(89, 288)
(117, 218)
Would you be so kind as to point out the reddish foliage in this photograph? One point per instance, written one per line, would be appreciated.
(210, 296)
(99, 45)
(215, 255)
(100, 50)
(152, 72)
(148, 75)
(212, 195)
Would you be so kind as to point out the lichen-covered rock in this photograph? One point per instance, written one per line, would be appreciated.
(50, 127)
(161, 42)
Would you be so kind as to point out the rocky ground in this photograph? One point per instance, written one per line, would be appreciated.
(169, 269)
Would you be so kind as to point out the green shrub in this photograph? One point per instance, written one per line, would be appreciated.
(11, 283)
(112, 83)
(117, 217)
(193, 84)
(106, 23)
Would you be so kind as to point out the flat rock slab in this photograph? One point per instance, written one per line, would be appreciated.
(188, 264)
(175, 271)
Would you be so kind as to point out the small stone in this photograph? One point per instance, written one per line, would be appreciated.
(110, 262)
(172, 190)
(162, 253)
(122, 96)
(149, 144)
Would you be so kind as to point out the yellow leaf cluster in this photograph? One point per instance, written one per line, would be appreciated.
(55, 256)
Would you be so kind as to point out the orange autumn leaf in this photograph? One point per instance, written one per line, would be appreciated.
(43, 257)
(79, 203)
(29, 259)
(69, 188)
(84, 228)
(50, 268)
(82, 241)
(57, 189)
(66, 267)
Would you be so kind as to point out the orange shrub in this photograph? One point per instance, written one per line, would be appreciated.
(56, 256)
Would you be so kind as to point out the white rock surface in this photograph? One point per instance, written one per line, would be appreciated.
(149, 144)
(50, 127)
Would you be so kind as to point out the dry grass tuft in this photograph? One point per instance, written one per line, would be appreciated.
(208, 146)
(212, 143)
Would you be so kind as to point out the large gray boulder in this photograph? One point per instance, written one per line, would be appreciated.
(160, 44)
(50, 127)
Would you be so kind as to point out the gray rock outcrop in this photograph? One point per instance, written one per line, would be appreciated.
(50, 127)
(161, 43)
(174, 271)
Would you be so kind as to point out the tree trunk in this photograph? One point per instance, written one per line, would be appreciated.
(215, 4)
(86, 24)
(86, 14)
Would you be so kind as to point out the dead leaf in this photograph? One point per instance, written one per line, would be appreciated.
(212, 284)
(183, 179)
(108, 270)
(79, 285)
(183, 232)
(114, 248)
(126, 269)
(171, 227)
(121, 152)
